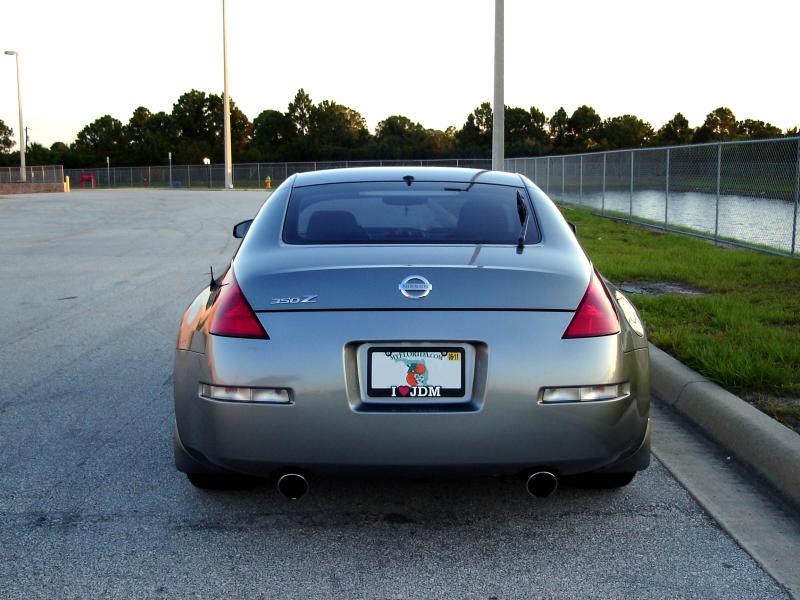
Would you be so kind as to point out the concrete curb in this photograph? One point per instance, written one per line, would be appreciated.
(763, 444)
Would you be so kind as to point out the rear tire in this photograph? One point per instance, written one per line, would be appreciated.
(604, 480)
(207, 481)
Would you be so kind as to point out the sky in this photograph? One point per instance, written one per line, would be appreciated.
(430, 60)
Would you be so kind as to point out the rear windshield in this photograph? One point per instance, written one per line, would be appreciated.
(397, 213)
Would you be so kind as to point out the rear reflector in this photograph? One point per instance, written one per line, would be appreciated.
(245, 394)
(587, 393)
(595, 315)
(233, 316)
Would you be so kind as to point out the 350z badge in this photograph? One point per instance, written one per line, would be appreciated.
(306, 299)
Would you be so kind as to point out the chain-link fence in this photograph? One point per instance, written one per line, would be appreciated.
(746, 193)
(34, 174)
(245, 175)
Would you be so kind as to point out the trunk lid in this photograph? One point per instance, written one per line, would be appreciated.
(368, 278)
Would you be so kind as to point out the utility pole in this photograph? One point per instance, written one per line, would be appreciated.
(226, 100)
(22, 145)
(498, 114)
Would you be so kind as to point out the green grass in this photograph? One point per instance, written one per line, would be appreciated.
(744, 334)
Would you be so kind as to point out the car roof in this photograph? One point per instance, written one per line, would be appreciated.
(365, 174)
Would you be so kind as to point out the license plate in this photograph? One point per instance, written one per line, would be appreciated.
(415, 374)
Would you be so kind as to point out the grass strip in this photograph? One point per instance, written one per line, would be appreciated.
(743, 333)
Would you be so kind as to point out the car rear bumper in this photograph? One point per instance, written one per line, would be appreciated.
(504, 429)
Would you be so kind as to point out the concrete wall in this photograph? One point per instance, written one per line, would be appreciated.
(30, 188)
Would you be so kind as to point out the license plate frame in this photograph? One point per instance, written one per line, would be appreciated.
(404, 357)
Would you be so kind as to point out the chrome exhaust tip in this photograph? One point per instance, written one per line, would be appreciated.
(292, 486)
(541, 484)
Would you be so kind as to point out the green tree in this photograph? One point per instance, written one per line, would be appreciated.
(558, 129)
(6, 137)
(192, 116)
(241, 127)
(720, 126)
(752, 129)
(100, 138)
(538, 131)
(474, 139)
(300, 113)
(197, 119)
(39, 155)
(626, 131)
(525, 132)
(400, 137)
(584, 129)
(272, 132)
(517, 130)
(674, 132)
(335, 127)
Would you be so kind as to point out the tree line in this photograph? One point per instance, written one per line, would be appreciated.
(330, 131)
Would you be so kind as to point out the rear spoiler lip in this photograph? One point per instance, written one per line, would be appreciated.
(419, 309)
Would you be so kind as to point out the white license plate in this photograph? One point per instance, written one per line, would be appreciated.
(414, 374)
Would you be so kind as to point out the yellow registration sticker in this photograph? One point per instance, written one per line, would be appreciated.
(452, 356)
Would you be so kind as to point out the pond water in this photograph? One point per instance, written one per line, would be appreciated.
(763, 221)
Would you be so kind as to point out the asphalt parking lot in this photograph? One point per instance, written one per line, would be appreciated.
(91, 505)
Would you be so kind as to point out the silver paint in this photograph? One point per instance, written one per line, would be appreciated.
(508, 310)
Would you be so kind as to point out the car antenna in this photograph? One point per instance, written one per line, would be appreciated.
(524, 217)
(409, 179)
(213, 285)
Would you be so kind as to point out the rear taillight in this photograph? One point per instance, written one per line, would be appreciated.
(595, 315)
(233, 316)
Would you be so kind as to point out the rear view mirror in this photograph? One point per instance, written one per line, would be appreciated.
(574, 229)
(240, 229)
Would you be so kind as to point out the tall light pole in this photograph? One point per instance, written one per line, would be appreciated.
(498, 114)
(21, 128)
(226, 100)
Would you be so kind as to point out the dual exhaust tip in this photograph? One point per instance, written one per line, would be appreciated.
(292, 486)
(540, 484)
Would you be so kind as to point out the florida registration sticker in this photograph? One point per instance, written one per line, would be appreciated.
(416, 373)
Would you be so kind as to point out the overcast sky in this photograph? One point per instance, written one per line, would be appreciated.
(430, 60)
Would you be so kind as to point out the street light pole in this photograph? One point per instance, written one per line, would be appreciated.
(226, 100)
(498, 115)
(207, 163)
(21, 128)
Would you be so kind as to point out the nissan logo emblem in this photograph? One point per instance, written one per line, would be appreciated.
(415, 287)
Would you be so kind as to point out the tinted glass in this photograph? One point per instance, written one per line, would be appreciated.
(396, 213)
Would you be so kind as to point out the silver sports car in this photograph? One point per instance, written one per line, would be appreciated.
(410, 320)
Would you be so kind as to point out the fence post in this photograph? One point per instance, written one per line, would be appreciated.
(603, 200)
(188, 177)
(666, 197)
(796, 198)
(563, 162)
(258, 175)
(131, 176)
(580, 197)
(719, 177)
(285, 171)
(630, 199)
(548, 176)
